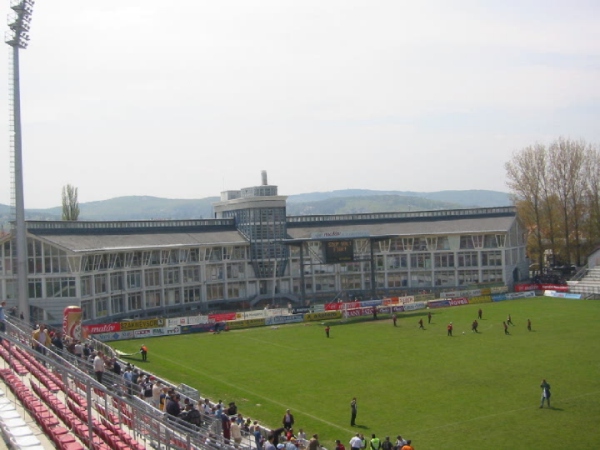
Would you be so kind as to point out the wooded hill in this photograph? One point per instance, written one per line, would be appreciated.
(335, 202)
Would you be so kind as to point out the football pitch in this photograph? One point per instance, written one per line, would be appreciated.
(469, 391)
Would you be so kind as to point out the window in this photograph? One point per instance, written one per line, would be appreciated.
(466, 242)
(397, 280)
(172, 275)
(86, 286)
(491, 258)
(117, 304)
(191, 294)
(134, 280)
(420, 260)
(351, 282)
(214, 292)
(236, 290)
(87, 310)
(235, 270)
(35, 287)
(60, 287)
(172, 296)
(467, 259)
(153, 299)
(116, 281)
(214, 272)
(152, 277)
(102, 307)
(100, 284)
(134, 301)
(191, 274)
(444, 260)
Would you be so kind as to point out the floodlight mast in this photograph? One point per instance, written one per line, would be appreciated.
(18, 38)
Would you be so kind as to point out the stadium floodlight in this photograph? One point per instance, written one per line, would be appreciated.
(17, 37)
(18, 23)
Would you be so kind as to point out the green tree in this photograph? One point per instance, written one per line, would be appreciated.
(70, 204)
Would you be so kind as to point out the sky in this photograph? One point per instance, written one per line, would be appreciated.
(190, 98)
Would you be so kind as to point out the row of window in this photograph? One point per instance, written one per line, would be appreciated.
(45, 258)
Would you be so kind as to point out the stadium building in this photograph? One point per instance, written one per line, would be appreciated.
(251, 254)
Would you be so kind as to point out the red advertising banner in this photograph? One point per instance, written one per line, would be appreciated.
(337, 306)
(390, 301)
(541, 287)
(103, 328)
(224, 317)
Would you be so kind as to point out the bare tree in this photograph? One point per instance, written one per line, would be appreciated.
(70, 204)
(524, 173)
(557, 192)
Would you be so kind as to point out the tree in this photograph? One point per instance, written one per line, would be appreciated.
(70, 204)
(557, 192)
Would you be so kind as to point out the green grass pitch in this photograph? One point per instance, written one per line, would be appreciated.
(469, 391)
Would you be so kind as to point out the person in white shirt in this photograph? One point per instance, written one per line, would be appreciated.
(356, 442)
(99, 366)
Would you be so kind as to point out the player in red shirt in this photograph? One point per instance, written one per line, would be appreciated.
(450, 329)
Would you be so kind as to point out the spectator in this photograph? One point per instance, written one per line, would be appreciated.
(173, 407)
(99, 366)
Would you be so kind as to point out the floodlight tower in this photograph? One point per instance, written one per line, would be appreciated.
(18, 38)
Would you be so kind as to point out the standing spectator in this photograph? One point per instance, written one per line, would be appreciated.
(41, 339)
(116, 367)
(288, 420)
(87, 351)
(314, 444)
(545, 393)
(356, 442)
(301, 438)
(258, 438)
(57, 342)
(127, 377)
(387, 444)
(226, 424)
(173, 406)
(450, 329)
(236, 433)
(505, 328)
(364, 440)
(99, 366)
(408, 445)
(375, 443)
(269, 443)
(156, 391)
(353, 411)
(400, 442)
(2, 318)
(78, 349)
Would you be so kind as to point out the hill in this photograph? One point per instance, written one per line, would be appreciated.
(335, 202)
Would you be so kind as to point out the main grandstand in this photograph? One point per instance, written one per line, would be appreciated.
(252, 255)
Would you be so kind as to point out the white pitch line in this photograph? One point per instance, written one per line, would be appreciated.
(494, 415)
(275, 402)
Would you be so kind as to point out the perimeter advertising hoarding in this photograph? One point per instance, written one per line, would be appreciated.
(323, 315)
(139, 324)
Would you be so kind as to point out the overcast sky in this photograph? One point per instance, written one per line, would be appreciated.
(185, 99)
